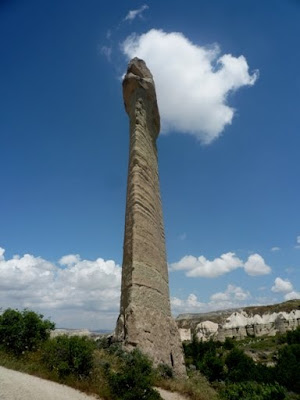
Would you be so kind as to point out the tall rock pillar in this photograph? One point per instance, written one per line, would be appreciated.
(145, 319)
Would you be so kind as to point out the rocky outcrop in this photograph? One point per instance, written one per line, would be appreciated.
(241, 323)
(145, 319)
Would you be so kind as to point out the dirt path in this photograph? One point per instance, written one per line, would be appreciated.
(19, 386)
(170, 395)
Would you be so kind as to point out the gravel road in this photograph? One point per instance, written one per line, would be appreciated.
(19, 386)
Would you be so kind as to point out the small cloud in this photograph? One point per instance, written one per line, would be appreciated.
(191, 304)
(289, 270)
(298, 242)
(231, 293)
(182, 236)
(255, 265)
(202, 267)
(282, 286)
(69, 260)
(275, 248)
(108, 34)
(232, 297)
(292, 296)
(262, 288)
(132, 14)
(285, 286)
(2, 251)
(106, 51)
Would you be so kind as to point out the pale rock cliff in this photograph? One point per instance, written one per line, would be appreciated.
(238, 324)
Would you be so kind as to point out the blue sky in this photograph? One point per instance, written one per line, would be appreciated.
(228, 83)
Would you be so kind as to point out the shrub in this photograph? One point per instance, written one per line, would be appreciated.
(22, 331)
(293, 337)
(165, 371)
(104, 342)
(196, 350)
(240, 366)
(69, 355)
(228, 344)
(212, 367)
(134, 380)
(252, 391)
(288, 367)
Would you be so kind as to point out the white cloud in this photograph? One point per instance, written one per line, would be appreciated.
(292, 296)
(232, 297)
(282, 286)
(200, 266)
(84, 293)
(106, 51)
(298, 239)
(255, 265)
(298, 242)
(2, 251)
(285, 286)
(69, 259)
(231, 293)
(192, 82)
(132, 14)
(190, 304)
(275, 248)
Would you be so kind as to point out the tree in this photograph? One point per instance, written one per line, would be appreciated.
(240, 366)
(134, 380)
(288, 367)
(22, 331)
(69, 355)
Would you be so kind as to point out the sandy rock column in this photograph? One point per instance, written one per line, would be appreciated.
(145, 319)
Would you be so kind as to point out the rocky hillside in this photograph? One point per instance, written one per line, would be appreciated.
(240, 323)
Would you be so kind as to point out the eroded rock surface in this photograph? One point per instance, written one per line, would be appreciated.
(145, 319)
(238, 324)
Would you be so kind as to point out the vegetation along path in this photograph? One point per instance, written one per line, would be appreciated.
(16, 385)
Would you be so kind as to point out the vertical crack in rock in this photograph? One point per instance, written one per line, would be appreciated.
(145, 317)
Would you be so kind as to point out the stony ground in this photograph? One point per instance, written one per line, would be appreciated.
(19, 386)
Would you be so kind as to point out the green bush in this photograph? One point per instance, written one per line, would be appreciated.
(212, 367)
(165, 371)
(293, 337)
(228, 344)
(288, 367)
(69, 355)
(134, 380)
(252, 391)
(22, 331)
(240, 367)
(196, 350)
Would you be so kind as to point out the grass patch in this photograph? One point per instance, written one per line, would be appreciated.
(196, 387)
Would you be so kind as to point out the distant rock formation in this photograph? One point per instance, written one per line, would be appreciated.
(70, 332)
(145, 319)
(241, 323)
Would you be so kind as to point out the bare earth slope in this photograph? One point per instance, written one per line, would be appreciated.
(16, 385)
